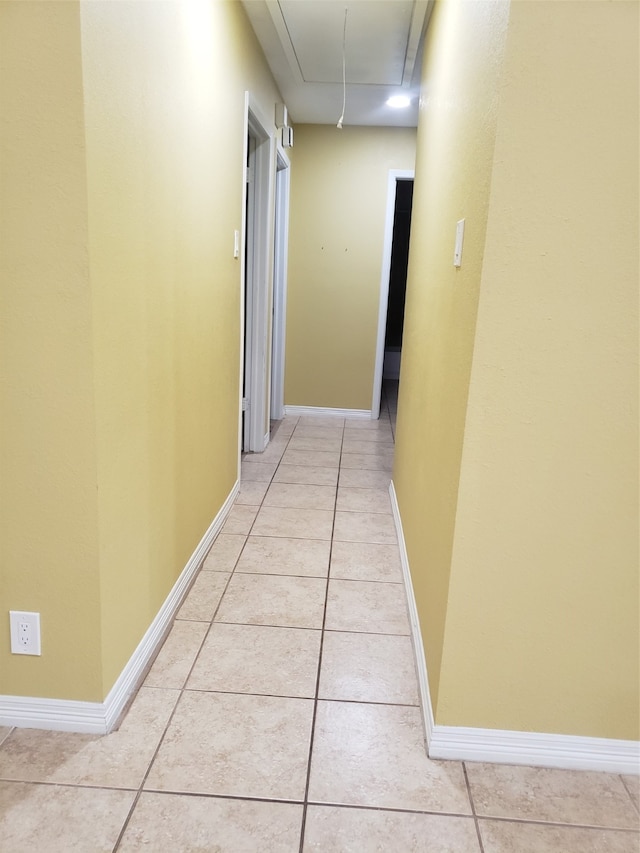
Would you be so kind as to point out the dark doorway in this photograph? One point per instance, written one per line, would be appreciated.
(398, 278)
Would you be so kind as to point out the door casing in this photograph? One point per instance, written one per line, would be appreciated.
(257, 273)
(395, 175)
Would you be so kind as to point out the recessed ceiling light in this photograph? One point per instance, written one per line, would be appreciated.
(398, 101)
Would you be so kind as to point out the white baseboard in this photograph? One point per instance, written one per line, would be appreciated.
(100, 717)
(458, 743)
(414, 620)
(567, 752)
(320, 412)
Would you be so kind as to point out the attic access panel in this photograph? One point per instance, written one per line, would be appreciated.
(374, 29)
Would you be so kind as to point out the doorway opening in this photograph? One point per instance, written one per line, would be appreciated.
(278, 322)
(257, 262)
(393, 284)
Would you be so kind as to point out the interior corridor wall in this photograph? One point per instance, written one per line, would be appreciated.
(454, 159)
(48, 502)
(524, 548)
(545, 562)
(336, 238)
(155, 130)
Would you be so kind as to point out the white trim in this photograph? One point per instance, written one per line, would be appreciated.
(459, 743)
(567, 752)
(414, 620)
(257, 242)
(395, 175)
(320, 412)
(100, 717)
(281, 242)
(243, 273)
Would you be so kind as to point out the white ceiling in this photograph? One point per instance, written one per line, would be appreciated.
(302, 41)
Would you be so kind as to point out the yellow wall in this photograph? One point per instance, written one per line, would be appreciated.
(538, 587)
(338, 204)
(546, 549)
(454, 157)
(48, 505)
(157, 120)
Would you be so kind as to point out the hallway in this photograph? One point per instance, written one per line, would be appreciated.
(294, 642)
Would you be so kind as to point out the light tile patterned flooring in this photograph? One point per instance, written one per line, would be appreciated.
(282, 711)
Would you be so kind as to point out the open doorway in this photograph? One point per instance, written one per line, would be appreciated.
(279, 285)
(393, 284)
(257, 245)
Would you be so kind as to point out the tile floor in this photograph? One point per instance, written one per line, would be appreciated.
(282, 711)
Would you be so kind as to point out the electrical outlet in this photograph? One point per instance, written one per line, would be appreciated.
(25, 632)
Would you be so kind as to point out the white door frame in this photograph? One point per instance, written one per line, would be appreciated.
(281, 241)
(395, 175)
(257, 271)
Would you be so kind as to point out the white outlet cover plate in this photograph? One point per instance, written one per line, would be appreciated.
(16, 617)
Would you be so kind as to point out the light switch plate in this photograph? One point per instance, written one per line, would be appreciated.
(457, 254)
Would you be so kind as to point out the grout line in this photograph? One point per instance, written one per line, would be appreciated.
(473, 807)
(319, 670)
(184, 683)
(587, 826)
(394, 809)
(628, 790)
(321, 804)
(305, 698)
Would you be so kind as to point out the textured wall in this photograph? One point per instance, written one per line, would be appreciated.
(456, 136)
(545, 562)
(338, 206)
(123, 170)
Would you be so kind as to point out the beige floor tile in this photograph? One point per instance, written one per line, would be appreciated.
(364, 562)
(375, 528)
(176, 657)
(311, 474)
(284, 427)
(258, 659)
(272, 453)
(381, 434)
(363, 500)
(257, 471)
(506, 837)
(306, 431)
(117, 760)
(301, 495)
(294, 523)
(376, 608)
(224, 552)
(562, 796)
(374, 755)
(56, 819)
(304, 441)
(316, 458)
(364, 479)
(368, 668)
(172, 823)
(367, 461)
(240, 519)
(363, 424)
(204, 596)
(293, 602)
(5, 731)
(632, 784)
(252, 493)
(234, 745)
(337, 830)
(358, 445)
(277, 555)
(321, 422)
